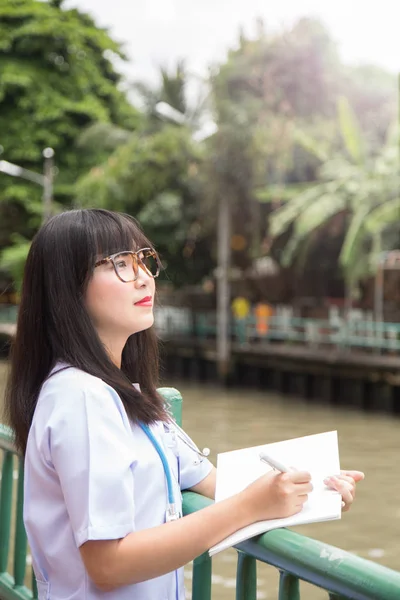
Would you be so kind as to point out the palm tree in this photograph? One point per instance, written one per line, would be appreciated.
(172, 91)
(362, 187)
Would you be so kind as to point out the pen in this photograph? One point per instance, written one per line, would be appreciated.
(273, 463)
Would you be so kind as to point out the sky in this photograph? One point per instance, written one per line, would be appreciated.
(156, 32)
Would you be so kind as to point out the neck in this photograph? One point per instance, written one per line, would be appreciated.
(114, 347)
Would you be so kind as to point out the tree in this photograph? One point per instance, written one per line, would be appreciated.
(266, 86)
(153, 174)
(361, 186)
(56, 77)
(275, 100)
(153, 177)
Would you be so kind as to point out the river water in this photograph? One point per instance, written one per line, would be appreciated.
(229, 419)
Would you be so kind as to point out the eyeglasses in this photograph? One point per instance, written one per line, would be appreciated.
(126, 264)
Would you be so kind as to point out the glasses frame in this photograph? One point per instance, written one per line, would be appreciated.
(140, 263)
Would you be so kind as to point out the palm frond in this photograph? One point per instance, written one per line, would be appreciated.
(282, 218)
(388, 213)
(354, 236)
(310, 220)
(350, 131)
(284, 192)
(311, 145)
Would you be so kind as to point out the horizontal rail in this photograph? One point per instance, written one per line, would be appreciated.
(325, 566)
(362, 334)
(340, 333)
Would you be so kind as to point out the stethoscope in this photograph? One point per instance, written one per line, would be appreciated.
(172, 513)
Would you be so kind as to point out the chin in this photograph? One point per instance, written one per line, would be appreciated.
(145, 324)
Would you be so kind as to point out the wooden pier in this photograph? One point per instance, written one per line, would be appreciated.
(367, 381)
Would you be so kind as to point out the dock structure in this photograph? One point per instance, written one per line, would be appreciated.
(353, 364)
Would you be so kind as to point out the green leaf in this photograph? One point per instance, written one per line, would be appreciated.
(387, 214)
(310, 220)
(283, 217)
(13, 258)
(283, 192)
(350, 131)
(311, 145)
(354, 235)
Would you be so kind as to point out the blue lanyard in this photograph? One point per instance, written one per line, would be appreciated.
(171, 514)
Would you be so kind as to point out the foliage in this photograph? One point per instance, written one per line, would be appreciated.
(153, 174)
(274, 101)
(56, 77)
(13, 259)
(361, 186)
(153, 177)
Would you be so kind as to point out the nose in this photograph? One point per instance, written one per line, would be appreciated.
(143, 278)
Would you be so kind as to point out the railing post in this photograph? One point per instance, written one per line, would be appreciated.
(289, 588)
(35, 594)
(173, 400)
(246, 577)
(5, 509)
(20, 534)
(202, 571)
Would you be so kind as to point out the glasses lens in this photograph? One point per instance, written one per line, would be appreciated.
(149, 261)
(126, 267)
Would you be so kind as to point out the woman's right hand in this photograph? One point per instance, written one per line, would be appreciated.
(277, 495)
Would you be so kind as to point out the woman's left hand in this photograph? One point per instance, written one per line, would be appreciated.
(345, 484)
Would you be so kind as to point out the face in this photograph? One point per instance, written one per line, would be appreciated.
(119, 309)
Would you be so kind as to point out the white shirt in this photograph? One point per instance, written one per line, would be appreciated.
(91, 474)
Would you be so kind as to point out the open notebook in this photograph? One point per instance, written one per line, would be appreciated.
(318, 454)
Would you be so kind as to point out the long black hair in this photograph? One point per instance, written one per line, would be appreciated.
(53, 323)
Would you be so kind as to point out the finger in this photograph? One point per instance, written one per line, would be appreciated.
(348, 480)
(302, 499)
(356, 475)
(347, 496)
(345, 490)
(341, 477)
(299, 476)
(346, 505)
(304, 488)
(335, 482)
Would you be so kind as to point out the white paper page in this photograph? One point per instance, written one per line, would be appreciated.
(317, 454)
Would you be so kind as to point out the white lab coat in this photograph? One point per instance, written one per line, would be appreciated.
(90, 474)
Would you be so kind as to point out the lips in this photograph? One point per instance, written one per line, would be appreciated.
(146, 301)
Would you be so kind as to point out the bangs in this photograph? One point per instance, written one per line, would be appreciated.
(114, 232)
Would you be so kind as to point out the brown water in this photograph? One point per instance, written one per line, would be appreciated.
(226, 420)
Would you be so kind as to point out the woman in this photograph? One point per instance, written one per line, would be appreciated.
(83, 403)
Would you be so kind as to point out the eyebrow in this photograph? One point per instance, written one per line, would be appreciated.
(102, 261)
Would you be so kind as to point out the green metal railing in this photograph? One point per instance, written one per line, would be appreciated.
(12, 584)
(298, 558)
(313, 333)
(342, 334)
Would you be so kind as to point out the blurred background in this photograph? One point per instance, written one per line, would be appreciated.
(257, 145)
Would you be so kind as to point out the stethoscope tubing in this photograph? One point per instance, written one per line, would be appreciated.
(164, 460)
(171, 513)
(168, 476)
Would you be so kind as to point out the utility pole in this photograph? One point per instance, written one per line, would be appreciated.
(48, 154)
(223, 287)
